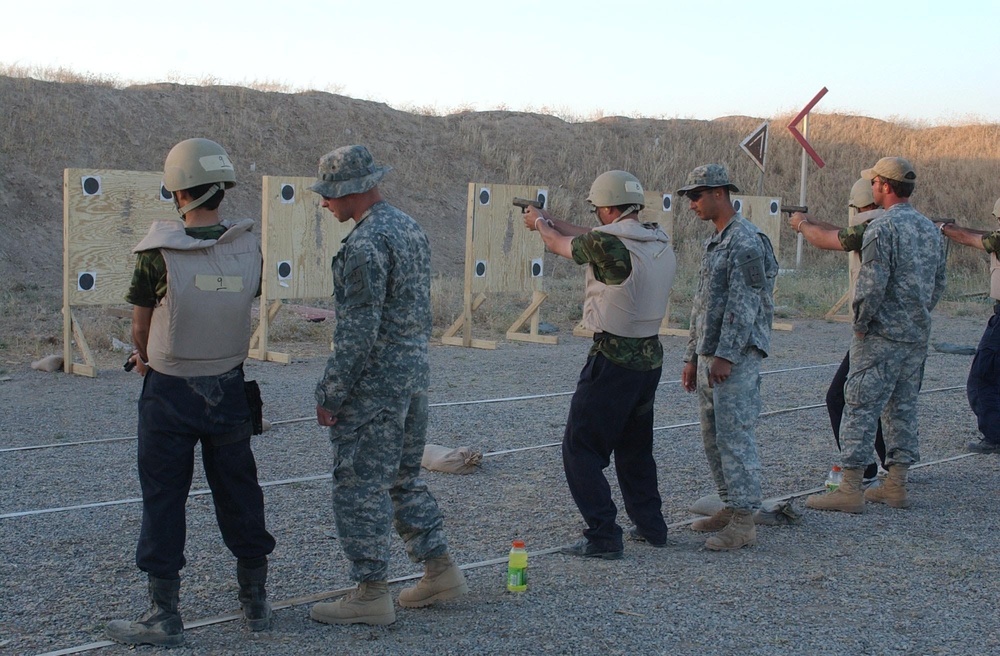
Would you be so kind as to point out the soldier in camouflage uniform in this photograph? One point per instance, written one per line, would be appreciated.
(983, 386)
(631, 268)
(373, 396)
(730, 335)
(827, 236)
(902, 276)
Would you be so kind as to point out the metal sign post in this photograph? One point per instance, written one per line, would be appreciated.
(807, 150)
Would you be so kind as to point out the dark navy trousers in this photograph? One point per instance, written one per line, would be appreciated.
(612, 413)
(983, 385)
(175, 414)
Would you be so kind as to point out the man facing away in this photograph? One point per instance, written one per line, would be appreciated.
(373, 396)
(901, 279)
(833, 238)
(192, 289)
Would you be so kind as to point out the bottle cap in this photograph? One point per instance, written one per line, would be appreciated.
(836, 468)
(518, 544)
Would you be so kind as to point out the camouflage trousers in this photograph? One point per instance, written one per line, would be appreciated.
(884, 380)
(729, 413)
(376, 486)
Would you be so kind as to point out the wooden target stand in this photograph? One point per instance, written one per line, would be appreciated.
(105, 214)
(299, 239)
(500, 256)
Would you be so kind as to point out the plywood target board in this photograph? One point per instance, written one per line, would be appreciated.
(105, 214)
(501, 255)
(299, 239)
(764, 212)
(659, 209)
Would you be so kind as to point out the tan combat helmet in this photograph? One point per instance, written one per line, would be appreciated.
(195, 162)
(615, 188)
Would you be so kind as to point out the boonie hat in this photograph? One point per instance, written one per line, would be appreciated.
(996, 209)
(347, 170)
(707, 175)
(891, 168)
(861, 194)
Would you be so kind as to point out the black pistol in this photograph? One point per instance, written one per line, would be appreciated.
(524, 204)
(129, 364)
(792, 209)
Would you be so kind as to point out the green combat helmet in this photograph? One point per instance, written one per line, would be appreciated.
(196, 162)
(616, 188)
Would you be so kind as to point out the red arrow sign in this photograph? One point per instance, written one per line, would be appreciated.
(798, 135)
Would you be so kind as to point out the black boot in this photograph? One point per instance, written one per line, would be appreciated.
(161, 625)
(253, 596)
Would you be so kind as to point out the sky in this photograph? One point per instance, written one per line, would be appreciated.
(932, 63)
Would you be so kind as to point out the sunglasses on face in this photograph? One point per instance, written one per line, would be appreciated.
(693, 196)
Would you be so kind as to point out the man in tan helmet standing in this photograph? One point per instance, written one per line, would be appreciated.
(730, 335)
(631, 268)
(983, 385)
(373, 396)
(191, 292)
(827, 236)
(901, 279)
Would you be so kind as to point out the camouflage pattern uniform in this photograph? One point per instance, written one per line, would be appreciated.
(983, 385)
(902, 277)
(612, 413)
(731, 319)
(375, 384)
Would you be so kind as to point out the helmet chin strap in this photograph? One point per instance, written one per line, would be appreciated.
(628, 210)
(197, 202)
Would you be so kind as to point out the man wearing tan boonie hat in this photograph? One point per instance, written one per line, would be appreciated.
(901, 279)
(373, 396)
(862, 210)
(983, 385)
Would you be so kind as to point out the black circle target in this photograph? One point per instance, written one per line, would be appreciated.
(86, 281)
(536, 269)
(164, 194)
(91, 185)
(484, 197)
(287, 192)
(774, 207)
(284, 269)
(666, 203)
(480, 268)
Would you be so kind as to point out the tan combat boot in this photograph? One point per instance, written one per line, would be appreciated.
(892, 491)
(846, 498)
(716, 522)
(740, 532)
(442, 580)
(369, 603)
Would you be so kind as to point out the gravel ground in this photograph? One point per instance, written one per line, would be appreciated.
(920, 581)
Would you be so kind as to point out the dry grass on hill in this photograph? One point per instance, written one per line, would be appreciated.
(49, 126)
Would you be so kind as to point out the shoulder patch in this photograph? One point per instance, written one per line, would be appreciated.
(357, 280)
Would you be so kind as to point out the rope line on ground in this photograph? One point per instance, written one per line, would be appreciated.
(320, 596)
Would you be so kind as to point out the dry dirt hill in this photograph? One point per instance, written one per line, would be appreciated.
(49, 126)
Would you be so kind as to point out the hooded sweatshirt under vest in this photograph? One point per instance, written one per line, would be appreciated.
(202, 326)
